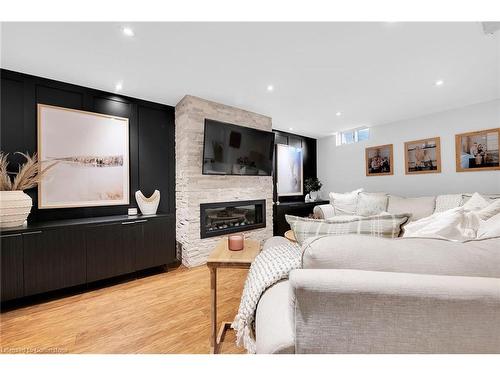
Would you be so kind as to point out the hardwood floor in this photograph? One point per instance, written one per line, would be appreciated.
(163, 313)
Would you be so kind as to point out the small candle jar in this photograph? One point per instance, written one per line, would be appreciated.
(236, 242)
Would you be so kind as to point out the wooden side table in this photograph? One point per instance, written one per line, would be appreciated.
(222, 257)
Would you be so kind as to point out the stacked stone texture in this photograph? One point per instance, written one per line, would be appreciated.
(193, 188)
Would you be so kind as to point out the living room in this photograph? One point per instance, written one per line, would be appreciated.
(250, 187)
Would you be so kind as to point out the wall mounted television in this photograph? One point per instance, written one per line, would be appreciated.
(230, 149)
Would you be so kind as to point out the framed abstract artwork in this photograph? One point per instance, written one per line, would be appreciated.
(477, 151)
(91, 156)
(379, 160)
(423, 156)
(289, 171)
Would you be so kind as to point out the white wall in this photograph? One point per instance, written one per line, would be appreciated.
(342, 168)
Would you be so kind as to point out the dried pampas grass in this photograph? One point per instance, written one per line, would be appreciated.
(5, 182)
(27, 177)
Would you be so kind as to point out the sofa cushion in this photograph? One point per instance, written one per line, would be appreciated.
(414, 255)
(274, 325)
(476, 202)
(371, 203)
(489, 228)
(490, 210)
(447, 202)
(345, 203)
(384, 225)
(418, 207)
(456, 224)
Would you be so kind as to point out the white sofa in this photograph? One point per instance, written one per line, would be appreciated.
(419, 207)
(361, 294)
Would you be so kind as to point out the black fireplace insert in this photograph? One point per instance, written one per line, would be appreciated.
(221, 218)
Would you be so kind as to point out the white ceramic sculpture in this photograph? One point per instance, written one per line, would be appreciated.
(15, 206)
(148, 206)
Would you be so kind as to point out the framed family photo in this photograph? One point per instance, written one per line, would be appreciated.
(477, 151)
(379, 160)
(423, 156)
(91, 156)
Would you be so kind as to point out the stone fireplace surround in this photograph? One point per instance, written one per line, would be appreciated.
(193, 188)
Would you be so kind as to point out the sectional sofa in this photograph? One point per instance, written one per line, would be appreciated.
(361, 294)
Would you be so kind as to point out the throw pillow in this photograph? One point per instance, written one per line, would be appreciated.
(418, 207)
(447, 202)
(456, 224)
(490, 210)
(371, 203)
(345, 203)
(476, 202)
(489, 228)
(389, 226)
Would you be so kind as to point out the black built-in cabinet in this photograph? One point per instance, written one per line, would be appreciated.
(55, 255)
(151, 137)
(66, 247)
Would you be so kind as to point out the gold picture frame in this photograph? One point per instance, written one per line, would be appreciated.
(423, 156)
(93, 159)
(477, 151)
(384, 164)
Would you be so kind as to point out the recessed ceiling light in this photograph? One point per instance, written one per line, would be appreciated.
(270, 88)
(290, 128)
(119, 86)
(338, 113)
(439, 82)
(128, 31)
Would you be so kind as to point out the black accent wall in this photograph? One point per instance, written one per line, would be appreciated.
(151, 135)
(308, 146)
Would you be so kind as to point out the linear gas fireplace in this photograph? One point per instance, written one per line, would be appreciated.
(228, 217)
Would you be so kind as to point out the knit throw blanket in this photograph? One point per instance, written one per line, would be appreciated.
(273, 264)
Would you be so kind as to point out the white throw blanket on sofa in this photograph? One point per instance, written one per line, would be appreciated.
(457, 224)
(273, 264)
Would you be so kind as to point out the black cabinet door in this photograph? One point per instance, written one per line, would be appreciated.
(110, 250)
(53, 259)
(158, 245)
(11, 250)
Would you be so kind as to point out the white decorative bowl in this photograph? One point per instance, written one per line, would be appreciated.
(15, 206)
(148, 206)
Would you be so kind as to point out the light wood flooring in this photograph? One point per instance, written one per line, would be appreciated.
(162, 313)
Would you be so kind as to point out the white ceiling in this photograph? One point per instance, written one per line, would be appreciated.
(373, 73)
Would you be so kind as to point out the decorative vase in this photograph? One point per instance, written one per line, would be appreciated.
(314, 195)
(15, 206)
(148, 206)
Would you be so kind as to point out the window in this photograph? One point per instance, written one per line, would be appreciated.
(348, 137)
(363, 134)
(352, 136)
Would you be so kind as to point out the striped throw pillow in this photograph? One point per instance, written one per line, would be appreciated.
(383, 225)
